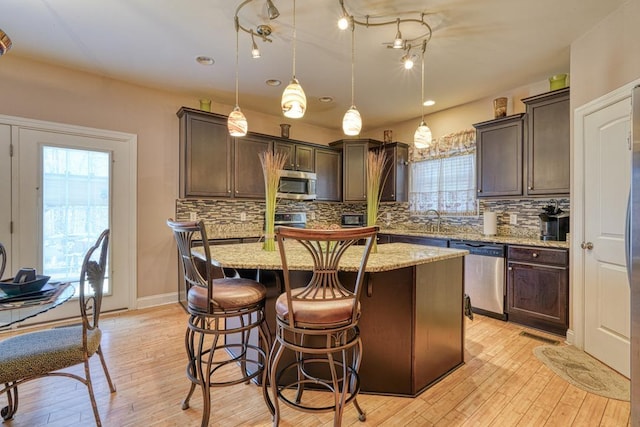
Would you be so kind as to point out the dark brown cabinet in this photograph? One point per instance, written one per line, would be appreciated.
(396, 185)
(354, 167)
(213, 164)
(206, 152)
(499, 157)
(547, 166)
(538, 287)
(328, 164)
(247, 170)
(299, 157)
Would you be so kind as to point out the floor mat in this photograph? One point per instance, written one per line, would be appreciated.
(583, 371)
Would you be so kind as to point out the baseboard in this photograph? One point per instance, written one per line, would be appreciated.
(156, 300)
(570, 336)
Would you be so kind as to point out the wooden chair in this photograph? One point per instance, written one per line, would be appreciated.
(44, 353)
(222, 314)
(3, 259)
(319, 323)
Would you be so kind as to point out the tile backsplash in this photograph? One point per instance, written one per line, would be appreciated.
(229, 214)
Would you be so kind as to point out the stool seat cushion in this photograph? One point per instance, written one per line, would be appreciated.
(37, 353)
(228, 294)
(316, 312)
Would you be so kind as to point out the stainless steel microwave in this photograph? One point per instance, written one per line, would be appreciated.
(297, 185)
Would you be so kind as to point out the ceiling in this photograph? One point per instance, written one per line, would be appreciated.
(478, 49)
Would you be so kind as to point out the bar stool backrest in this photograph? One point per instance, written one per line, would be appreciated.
(327, 248)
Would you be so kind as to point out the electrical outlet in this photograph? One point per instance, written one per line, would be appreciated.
(389, 216)
(312, 216)
(513, 219)
(193, 216)
(243, 216)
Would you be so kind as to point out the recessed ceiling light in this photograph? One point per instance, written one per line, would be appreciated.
(326, 99)
(429, 102)
(273, 82)
(205, 60)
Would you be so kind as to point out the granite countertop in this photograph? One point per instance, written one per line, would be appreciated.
(390, 256)
(232, 231)
(511, 240)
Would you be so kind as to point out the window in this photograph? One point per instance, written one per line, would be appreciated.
(444, 177)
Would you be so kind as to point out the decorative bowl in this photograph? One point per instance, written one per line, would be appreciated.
(10, 288)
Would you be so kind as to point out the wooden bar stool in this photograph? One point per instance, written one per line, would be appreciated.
(220, 311)
(319, 323)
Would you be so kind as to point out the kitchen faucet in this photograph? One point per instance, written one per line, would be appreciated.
(438, 218)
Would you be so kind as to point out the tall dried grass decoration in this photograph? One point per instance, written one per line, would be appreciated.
(376, 162)
(272, 164)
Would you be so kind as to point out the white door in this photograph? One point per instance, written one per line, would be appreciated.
(606, 189)
(5, 193)
(68, 184)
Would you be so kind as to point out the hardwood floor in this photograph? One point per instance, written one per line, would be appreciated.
(501, 384)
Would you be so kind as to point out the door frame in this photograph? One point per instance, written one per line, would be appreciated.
(130, 141)
(576, 333)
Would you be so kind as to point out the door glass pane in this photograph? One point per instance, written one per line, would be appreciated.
(75, 208)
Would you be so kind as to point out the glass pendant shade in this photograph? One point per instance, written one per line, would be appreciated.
(294, 101)
(237, 123)
(352, 122)
(422, 137)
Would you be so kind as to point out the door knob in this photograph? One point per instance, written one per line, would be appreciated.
(586, 245)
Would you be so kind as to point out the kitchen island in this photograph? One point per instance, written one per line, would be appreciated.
(412, 324)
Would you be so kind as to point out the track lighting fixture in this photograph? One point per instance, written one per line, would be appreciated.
(237, 122)
(294, 101)
(255, 52)
(352, 121)
(272, 11)
(422, 138)
(398, 43)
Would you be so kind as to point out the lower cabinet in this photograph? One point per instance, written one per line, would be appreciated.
(538, 287)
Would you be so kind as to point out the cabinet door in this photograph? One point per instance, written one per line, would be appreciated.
(538, 296)
(548, 144)
(205, 151)
(328, 175)
(355, 171)
(304, 158)
(499, 157)
(396, 186)
(248, 176)
(288, 149)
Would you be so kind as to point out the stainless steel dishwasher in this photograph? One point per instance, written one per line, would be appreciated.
(484, 279)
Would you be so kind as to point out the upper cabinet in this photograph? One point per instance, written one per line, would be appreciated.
(354, 167)
(548, 119)
(328, 175)
(205, 155)
(526, 154)
(300, 157)
(213, 164)
(396, 185)
(499, 157)
(248, 177)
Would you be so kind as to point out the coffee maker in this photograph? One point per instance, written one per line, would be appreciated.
(554, 223)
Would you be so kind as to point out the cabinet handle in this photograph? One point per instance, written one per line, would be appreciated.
(530, 187)
(393, 195)
(535, 255)
(479, 190)
(510, 268)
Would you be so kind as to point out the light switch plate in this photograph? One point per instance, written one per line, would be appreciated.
(243, 216)
(193, 216)
(513, 219)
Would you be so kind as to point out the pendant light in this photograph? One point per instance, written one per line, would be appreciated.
(5, 43)
(294, 101)
(237, 122)
(352, 122)
(422, 138)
